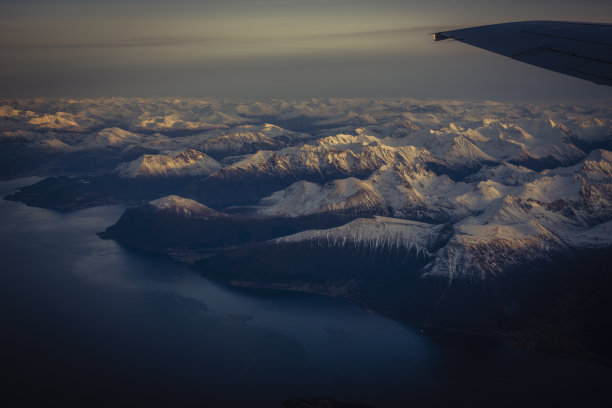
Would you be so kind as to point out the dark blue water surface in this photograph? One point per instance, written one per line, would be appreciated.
(86, 321)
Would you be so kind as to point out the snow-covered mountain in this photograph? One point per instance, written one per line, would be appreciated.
(247, 139)
(323, 161)
(110, 138)
(185, 207)
(349, 195)
(509, 184)
(377, 234)
(186, 163)
(475, 230)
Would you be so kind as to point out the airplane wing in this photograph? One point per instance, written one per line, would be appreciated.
(582, 50)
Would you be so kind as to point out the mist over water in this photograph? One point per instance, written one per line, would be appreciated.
(85, 319)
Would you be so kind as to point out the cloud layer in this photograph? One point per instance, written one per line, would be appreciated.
(270, 48)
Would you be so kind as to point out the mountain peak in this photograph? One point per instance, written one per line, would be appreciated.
(189, 162)
(185, 207)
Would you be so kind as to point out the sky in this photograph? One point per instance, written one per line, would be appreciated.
(260, 49)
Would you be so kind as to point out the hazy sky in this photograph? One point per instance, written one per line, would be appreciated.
(275, 48)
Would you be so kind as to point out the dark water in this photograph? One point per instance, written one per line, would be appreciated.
(85, 321)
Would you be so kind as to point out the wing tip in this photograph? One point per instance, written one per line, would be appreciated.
(440, 37)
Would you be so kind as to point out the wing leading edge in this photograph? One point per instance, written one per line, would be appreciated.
(582, 50)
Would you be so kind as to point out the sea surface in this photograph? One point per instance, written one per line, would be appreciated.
(87, 321)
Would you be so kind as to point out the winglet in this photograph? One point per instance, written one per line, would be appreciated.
(440, 37)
